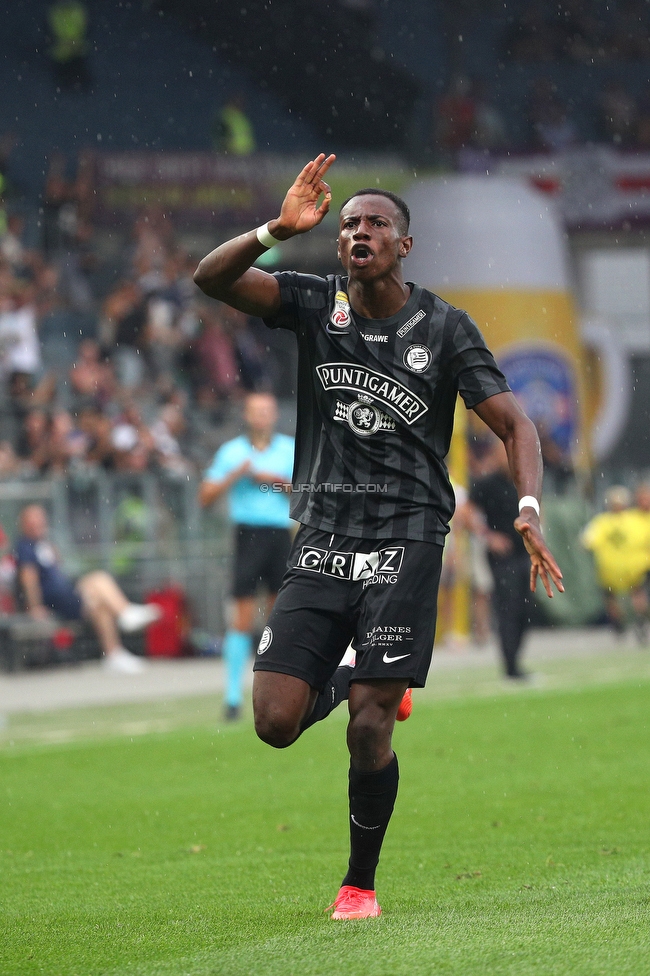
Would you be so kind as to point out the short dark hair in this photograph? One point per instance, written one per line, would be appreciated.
(373, 191)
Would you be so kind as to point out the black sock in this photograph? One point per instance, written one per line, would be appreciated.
(372, 798)
(335, 691)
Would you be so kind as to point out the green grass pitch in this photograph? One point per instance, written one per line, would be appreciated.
(519, 844)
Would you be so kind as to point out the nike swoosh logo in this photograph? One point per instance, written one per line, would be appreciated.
(389, 660)
(363, 826)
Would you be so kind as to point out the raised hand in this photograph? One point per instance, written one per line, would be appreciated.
(300, 210)
(542, 563)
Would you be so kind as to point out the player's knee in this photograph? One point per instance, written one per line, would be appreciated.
(275, 727)
(368, 735)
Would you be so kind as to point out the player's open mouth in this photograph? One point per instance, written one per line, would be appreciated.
(361, 254)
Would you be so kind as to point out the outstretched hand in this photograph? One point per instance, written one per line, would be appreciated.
(300, 210)
(543, 565)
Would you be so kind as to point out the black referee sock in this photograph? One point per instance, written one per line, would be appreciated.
(372, 798)
(335, 691)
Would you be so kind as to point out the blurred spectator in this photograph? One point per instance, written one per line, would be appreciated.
(618, 115)
(558, 467)
(214, 367)
(12, 249)
(9, 462)
(251, 347)
(20, 350)
(59, 211)
(580, 31)
(8, 141)
(68, 23)
(168, 428)
(92, 381)
(456, 115)
(132, 441)
(642, 139)
(552, 127)
(45, 588)
(620, 542)
(97, 429)
(67, 443)
(232, 130)
(489, 132)
(34, 441)
(582, 34)
(121, 331)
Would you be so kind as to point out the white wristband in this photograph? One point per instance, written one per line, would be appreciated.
(529, 501)
(265, 237)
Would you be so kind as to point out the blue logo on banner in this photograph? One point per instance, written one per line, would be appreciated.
(544, 382)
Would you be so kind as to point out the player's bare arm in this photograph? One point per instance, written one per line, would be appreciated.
(504, 416)
(226, 273)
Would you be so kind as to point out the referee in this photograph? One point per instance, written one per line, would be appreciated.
(381, 362)
(254, 470)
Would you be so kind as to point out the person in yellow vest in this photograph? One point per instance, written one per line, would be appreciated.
(233, 131)
(619, 539)
(68, 22)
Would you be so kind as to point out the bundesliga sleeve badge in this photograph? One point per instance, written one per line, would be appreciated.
(340, 319)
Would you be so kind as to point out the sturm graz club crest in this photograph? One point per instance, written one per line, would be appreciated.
(363, 417)
(417, 357)
(339, 320)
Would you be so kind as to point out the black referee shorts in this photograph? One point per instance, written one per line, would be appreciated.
(381, 595)
(260, 559)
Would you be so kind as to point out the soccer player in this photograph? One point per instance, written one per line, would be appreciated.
(381, 362)
(254, 470)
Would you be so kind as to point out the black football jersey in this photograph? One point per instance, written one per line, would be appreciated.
(375, 408)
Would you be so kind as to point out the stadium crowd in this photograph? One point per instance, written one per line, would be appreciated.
(143, 366)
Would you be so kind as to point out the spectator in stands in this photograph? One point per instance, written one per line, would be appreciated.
(642, 138)
(552, 127)
(214, 368)
(132, 441)
(233, 131)
(249, 336)
(68, 21)
(618, 115)
(92, 380)
(45, 588)
(456, 116)
(620, 542)
(122, 332)
(166, 432)
(33, 443)
(490, 132)
(66, 442)
(97, 428)
(9, 463)
(12, 247)
(20, 350)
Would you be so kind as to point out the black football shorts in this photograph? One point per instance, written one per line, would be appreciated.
(381, 595)
(260, 559)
